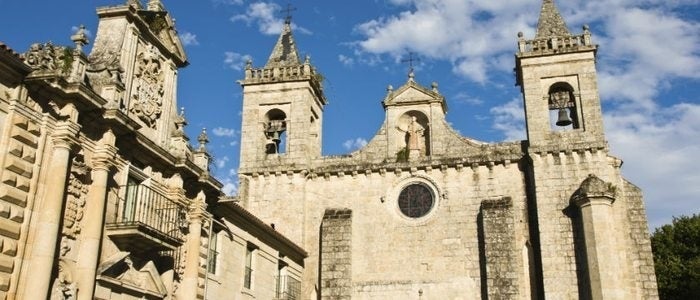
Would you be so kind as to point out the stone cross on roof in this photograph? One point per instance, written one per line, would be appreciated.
(288, 11)
(410, 61)
(551, 23)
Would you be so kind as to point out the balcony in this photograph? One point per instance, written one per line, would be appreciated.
(146, 220)
(288, 288)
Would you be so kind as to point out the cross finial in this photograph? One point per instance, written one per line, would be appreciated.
(410, 61)
(288, 11)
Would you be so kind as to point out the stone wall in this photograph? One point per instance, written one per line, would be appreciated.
(336, 254)
(499, 253)
(640, 246)
(21, 143)
(394, 256)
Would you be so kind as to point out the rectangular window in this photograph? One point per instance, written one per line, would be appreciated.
(213, 253)
(287, 287)
(248, 279)
(131, 200)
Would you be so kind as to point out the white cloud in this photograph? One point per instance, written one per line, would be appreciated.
(354, 144)
(221, 162)
(346, 60)
(188, 39)
(463, 97)
(266, 15)
(462, 32)
(228, 2)
(509, 119)
(658, 149)
(235, 60)
(230, 188)
(227, 132)
(230, 182)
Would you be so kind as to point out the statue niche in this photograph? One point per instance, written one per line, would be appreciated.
(416, 136)
(275, 126)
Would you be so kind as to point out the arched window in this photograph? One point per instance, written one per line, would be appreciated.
(275, 131)
(562, 107)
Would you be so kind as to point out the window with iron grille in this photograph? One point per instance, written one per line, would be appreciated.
(213, 253)
(248, 276)
(288, 288)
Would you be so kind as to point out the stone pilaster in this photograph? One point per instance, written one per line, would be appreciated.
(197, 215)
(336, 254)
(595, 198)
(501, 257)
(93, 222)
(50, 210)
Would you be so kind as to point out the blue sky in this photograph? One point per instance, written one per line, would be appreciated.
(648, 64)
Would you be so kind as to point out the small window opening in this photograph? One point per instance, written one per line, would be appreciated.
(248, 276)
(213, 253)
(563, 112)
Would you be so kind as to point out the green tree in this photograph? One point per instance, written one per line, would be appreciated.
(676, 250)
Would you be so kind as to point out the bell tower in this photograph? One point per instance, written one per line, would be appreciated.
(283, 106)
(557, 76)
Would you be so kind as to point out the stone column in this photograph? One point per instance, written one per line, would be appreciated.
(188, 286)
(50, 211)
(93, 222)
(595, 198)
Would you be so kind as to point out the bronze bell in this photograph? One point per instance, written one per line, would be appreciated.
(564, 119)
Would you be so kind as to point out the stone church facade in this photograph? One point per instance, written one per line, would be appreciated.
(422, 212)
(102, 195)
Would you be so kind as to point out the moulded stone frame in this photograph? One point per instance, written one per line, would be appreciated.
(395, 191)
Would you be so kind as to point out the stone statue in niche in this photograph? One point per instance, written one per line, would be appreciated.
(414, 138)
(147, 95)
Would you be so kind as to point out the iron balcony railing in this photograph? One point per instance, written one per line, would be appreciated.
(288, 288)
(146, 208)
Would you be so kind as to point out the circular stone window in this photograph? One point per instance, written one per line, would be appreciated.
(416, 200)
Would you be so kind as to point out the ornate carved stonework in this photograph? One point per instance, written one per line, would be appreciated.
(104, 68)
(49, 57)
(64, 286)
(147, 95)
(75, 197)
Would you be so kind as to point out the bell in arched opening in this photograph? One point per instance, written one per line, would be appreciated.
(564, 119)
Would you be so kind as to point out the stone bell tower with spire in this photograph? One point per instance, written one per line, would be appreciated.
(283, 106)
(557, 75)
(581, 208)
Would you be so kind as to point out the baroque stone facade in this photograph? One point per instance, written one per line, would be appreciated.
(422, 212)
(102, 196)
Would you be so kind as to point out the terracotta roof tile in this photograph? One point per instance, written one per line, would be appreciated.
(4, 47)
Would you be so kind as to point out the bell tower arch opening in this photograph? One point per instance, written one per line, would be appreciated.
(563, 112)
(275, 129)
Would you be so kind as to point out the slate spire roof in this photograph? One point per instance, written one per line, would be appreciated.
(551, 23)
(285, 52)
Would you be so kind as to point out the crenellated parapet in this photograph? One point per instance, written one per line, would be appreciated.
(284, 73)
(555, 44)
